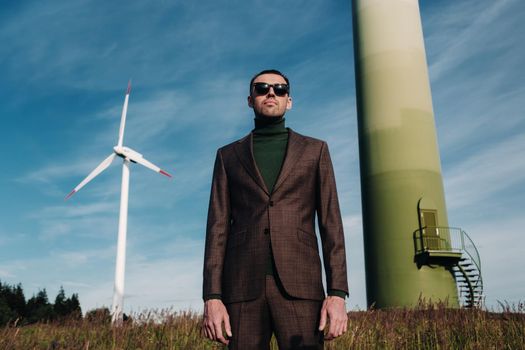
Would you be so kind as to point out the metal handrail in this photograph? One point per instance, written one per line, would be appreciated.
(473, 253)
(471, 249)
(439, 238)
(447, 239)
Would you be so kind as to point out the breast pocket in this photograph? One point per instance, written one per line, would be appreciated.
(302, 166)
(303, 173)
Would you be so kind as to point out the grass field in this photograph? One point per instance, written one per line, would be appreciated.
(422, 328)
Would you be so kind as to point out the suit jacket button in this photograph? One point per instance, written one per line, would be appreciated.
(266, 231)
(271, 203)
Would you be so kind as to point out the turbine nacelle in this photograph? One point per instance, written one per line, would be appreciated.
(127, 153)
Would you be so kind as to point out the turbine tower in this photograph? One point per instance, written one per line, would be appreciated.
(128, 155)
(403, 198)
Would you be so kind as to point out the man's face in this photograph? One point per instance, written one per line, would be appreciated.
(269, 104)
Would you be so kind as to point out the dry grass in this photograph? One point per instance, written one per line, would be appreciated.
(423, 328)
(435, 328)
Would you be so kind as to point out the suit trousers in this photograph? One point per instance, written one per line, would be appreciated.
(295, 322)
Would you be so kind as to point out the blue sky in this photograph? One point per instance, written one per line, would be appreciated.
(64, 68)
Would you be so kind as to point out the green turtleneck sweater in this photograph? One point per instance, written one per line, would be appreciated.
(270, 138)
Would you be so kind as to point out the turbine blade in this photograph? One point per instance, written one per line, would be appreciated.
(123, 117)
(147, 164)
(100, 168)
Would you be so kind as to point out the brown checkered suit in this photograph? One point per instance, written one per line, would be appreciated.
(245, 221)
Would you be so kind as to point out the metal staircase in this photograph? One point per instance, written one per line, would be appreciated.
(468, 274)
(451, 246)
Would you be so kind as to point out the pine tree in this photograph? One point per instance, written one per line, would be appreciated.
(19, 301)
(6, 314)
(39, 308)
(73, 307)
(12, 303)
(61, 306)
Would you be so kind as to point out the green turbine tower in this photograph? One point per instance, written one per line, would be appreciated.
(401, 184)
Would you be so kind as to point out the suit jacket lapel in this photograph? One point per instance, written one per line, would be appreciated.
(244, 150)
(294, 151)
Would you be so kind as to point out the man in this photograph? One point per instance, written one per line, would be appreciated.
(262, 270)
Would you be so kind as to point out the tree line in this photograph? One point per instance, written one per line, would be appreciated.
(15, 308)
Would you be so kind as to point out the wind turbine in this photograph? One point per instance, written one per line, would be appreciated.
(128, 155)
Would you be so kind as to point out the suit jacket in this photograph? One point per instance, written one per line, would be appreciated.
(245, 221)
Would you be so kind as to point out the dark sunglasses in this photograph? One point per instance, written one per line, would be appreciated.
(264, 88)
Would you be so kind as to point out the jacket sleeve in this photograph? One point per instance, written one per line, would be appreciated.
(217, 230)
(330, 224)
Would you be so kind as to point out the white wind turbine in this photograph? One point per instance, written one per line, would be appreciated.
(128, 155)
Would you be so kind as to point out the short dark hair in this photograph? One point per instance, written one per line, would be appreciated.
(270, 71)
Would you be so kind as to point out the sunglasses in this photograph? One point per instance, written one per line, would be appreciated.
(264, 88)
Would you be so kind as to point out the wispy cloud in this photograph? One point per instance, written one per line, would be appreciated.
(5, 273)
(147, 119)
(81, 257)
(89, 59)
(75, 285)
(54, 172)
(12, 270)
(353, 226)
(473, 18)
(475, 56)
(491, 170)
(74, 211)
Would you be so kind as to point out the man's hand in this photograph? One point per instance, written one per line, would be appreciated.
(334, 310)
(214, 315)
